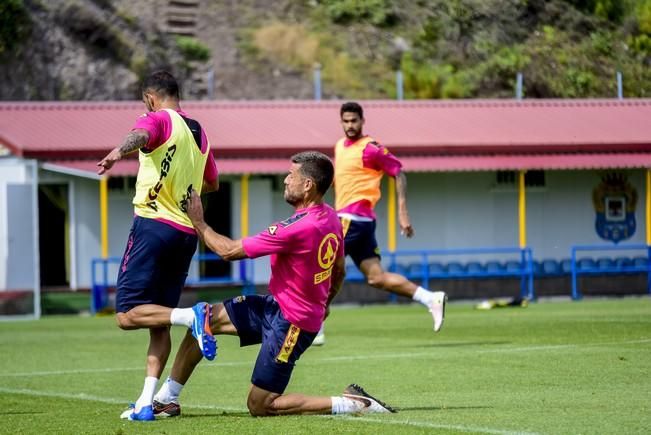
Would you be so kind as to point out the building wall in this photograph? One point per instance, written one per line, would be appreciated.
(469, 210)
(17, 236)
(448, 210)
(260, 217)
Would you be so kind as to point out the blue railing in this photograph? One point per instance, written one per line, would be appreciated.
(424, 270)
(621, 265)
(104, 272)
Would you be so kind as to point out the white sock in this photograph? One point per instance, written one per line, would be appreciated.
(344, 405)
(169, 391)
(182, 316)
(147, 394)
(423, 296)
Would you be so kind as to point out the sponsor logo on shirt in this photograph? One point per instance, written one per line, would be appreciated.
(272, 229)
(164, 170)
(292, 220)
(327, 254)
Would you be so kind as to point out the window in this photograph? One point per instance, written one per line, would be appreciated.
(510, 179)
(122, 184)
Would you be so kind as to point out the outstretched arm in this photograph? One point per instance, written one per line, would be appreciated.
(135, 140)
(223, 246)
(403, 215)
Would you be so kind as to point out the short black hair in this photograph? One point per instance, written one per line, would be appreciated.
(352, 107)
(163, 83)
(316, 166)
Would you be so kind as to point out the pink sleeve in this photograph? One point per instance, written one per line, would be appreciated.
(273, 240)
(158, 125)
(210, 172)
(379, 158)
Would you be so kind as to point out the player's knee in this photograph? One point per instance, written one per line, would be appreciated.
(257, 408)
(124, 321)
(375, 280)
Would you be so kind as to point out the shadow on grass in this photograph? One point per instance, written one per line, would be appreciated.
(238, 414)
(20, 413)
(438, 408)
(462, 344)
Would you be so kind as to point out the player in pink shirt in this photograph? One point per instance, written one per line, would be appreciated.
(307, 270)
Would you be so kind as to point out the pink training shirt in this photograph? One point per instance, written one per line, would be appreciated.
(159, 126)
(375, 156)
(303, 251)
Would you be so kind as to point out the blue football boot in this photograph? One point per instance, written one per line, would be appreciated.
(201, 330)
(146, 413)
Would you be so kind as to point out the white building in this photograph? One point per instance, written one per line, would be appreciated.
(462, 159)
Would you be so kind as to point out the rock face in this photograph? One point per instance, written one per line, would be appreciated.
(75, 51)
(100, 49)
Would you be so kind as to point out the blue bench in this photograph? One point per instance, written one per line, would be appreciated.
(606, 265)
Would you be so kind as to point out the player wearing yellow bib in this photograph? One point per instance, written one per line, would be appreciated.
(174, 155)
(360, 164)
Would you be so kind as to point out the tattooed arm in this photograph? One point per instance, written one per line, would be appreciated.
(135, 140)
(403, 215)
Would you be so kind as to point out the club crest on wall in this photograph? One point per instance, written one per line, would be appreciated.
(614, 201)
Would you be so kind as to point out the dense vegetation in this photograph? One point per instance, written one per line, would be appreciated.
(444, 48)
(467, 48)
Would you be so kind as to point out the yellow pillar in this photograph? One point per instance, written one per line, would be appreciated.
(244, 206)
(391, 215)
(522, 210)
(103, 212)
(648, 207)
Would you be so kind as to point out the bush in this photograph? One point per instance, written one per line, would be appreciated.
(15, 24)
(192, 48)
(376, 12)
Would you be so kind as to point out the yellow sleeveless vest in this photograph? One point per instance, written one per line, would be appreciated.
(168, 174)
(354, 182)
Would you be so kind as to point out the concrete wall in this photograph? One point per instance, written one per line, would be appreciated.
(466, 210)
(448, 210)
(18, 240)
(261, 209)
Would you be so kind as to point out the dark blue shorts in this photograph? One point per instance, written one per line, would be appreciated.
(154, 266)
(258, 319)
(359, 240)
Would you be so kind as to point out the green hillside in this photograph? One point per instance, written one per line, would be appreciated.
(261, 49)
(468, 48)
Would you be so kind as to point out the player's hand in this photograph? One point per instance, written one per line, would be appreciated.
(195, 208)
(107, 162)
(405, 226)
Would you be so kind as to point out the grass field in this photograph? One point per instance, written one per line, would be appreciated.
(554, 367)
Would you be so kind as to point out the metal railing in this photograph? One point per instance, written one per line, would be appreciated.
(104, 276)
(523, 267)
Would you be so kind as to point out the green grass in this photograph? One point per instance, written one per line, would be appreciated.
(554, 367)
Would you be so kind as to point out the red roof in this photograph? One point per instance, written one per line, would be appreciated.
(426, 135)
(513, 162)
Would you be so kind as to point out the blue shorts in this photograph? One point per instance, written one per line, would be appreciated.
(258, 319)
(359, 240)
(154, 266)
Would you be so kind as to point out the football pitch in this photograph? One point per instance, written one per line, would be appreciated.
(553, 368)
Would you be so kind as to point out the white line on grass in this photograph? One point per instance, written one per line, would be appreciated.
(91, 398)
(431, 354)
(420, 424)
(423, 424)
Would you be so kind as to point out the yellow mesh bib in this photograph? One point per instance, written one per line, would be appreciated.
(354, 182)
(168, 174)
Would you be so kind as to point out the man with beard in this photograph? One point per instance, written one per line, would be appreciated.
(307, 270)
